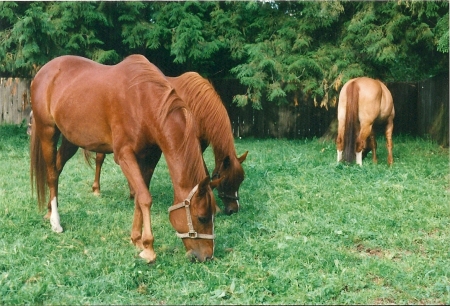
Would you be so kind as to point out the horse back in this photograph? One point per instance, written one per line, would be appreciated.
(93, 104)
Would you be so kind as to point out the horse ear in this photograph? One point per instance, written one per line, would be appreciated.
(214, 183)
(243, 157)
(203, 186)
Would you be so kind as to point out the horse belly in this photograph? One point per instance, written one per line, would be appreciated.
(91, 142)
(88, 134)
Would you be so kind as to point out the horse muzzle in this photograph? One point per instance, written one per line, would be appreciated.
(194, 256)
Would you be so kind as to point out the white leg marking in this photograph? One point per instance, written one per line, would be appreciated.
(359, 158)
(339, 155)
(54, 217)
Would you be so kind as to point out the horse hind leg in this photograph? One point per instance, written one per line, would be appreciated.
(340, 142)
(55, 164)
(49, 136)
(365, 131)
(389, 143)
(372, 146)
(99, 159)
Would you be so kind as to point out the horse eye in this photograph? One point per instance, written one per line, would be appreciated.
(203, 219)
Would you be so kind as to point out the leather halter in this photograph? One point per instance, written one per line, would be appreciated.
(222, 194)
(186, 204)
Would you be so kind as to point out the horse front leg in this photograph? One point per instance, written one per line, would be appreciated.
(99, 159)
(141, 233)
(147, 166)
(389, 144)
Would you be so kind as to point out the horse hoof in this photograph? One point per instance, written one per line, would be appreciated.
(57, 229)
(148, 255)
(56, 226)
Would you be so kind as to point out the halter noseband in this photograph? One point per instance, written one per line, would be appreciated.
(186, 204)
(222, 194)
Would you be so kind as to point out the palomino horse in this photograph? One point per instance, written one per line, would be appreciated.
(363, 102)
(213, 127)
(131, 110)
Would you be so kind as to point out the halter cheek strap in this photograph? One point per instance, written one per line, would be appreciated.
(186, 204)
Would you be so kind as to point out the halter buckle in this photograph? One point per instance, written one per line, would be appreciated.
(193, 234)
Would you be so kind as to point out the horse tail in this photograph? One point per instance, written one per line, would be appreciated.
(88, 157)
(351, 122)
(38, 169)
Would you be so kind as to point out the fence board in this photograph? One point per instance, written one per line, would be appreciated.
(15, 103)
(432, 94)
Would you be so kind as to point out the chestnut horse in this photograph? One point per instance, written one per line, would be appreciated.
(363, 102)
(131, 110)
(213, 127)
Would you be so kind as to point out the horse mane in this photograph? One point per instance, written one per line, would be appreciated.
(208, 109)
(144, 72)
(190, 144)
(351, 122)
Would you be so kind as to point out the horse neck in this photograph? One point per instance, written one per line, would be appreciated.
(222, 149)
(184, 160)
(216, 130)
(214, 126)
(185, 172)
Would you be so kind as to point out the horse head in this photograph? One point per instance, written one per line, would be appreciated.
(232, 174)
(193, 219)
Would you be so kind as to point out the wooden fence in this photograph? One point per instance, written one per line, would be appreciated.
(418, 107)
(15, 102)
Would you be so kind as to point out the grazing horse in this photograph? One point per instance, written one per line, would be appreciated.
(363, 102)
(131, 110)
(213, 127)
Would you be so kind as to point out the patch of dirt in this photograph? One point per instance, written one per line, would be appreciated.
(368, 251)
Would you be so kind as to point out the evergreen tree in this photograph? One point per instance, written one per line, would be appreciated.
(282, 51)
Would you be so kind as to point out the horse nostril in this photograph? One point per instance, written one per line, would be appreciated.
(230, 211)
(208, 258)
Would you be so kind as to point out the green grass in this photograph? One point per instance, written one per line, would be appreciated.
(310, 231)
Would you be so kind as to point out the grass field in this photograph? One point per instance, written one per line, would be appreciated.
(310, 231)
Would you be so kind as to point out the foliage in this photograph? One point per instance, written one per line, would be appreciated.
(310, 232)
(277, 49)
